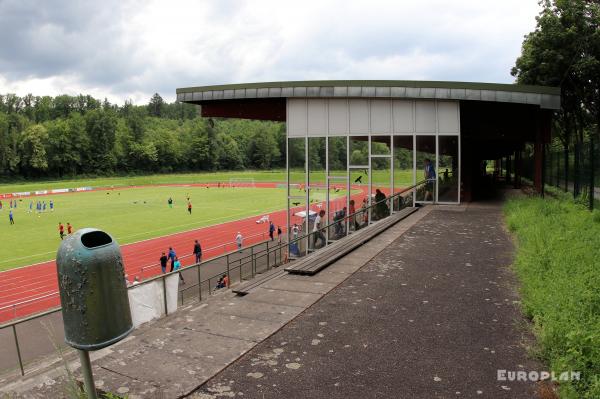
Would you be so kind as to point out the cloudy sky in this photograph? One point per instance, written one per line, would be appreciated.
(123, 49)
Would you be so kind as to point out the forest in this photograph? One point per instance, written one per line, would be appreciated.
(73, 136)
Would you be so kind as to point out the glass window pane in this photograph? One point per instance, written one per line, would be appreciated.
(403, 169)
(381, 175)
(448, 169)
(359, 150)
(380, 145)
(338, 186)
(296, 158)
(359, 181)
(317, 187)
(425, 155)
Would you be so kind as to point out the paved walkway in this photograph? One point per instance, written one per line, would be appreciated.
(426, 310)
(432, 316)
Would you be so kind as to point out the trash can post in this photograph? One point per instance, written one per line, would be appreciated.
(93, 295)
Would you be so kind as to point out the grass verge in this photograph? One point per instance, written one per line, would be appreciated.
(558, 264)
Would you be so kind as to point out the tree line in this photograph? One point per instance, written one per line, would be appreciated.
(70, 136)
(564, 51)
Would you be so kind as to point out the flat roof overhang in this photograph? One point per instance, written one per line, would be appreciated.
(266, 100)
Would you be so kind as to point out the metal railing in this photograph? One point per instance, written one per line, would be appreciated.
(238, 265)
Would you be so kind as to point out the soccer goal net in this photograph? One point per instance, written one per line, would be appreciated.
(242, 182)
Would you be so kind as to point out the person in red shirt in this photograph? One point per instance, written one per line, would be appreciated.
(69, 228)
(190, 207)
(225, 281)
(61, 230)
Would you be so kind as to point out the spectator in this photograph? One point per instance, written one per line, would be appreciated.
(429, 175)
(279, 233)
(177, 266)
(163, 263)
(271, 230)
(239, 240)
(136, 280)
(381, 208)
(317, 230)
(172, 256)
(294, 249)
(197, 251)
(225, 281)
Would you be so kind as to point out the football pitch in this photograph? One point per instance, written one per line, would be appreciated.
(129, 215)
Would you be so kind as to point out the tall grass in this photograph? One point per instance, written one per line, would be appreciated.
(558, 263)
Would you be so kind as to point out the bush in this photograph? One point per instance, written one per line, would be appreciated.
(558, 263)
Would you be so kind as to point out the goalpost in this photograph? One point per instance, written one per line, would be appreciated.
(248, 182)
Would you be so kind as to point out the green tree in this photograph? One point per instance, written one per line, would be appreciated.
(155, 107)
(100, 126)
(33, 151)
(263, 148)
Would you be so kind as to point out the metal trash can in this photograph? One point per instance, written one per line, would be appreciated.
(93, 292)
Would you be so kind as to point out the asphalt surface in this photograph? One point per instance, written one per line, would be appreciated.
(434, 315)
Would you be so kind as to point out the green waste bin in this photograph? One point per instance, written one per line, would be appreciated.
(93, 292)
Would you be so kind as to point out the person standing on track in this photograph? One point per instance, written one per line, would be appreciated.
(190, 207)
(61, 230)
(197, 251)
(163, 263)
(239, 240)
(279, 233)
(172, 256)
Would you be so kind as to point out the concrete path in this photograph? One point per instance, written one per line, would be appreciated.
(435, 315)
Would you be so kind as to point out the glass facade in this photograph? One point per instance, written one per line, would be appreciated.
(345, 155)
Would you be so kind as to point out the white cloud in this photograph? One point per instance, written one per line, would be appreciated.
(130, 49)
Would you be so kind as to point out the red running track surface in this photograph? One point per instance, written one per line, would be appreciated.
(39, 285)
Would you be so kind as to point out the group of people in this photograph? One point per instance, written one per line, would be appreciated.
(40, 207)
(272, 232)
(189, 204)
(171, 256)
(61, 230)
(175, 262)
(12, 204)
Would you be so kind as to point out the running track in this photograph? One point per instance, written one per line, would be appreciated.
(140, 259)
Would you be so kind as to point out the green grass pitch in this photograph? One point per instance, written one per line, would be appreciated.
(129, 215)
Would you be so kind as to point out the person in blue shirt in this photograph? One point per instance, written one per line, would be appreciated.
(271, 230)
(10, 217)
(30, 206)
(51, 206)
(177, 266)
(172, 255)
(429, 174)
